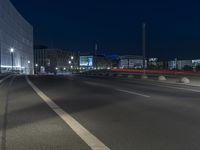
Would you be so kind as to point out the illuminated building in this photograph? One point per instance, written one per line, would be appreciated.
(16, 40)
(51, 60)
(96, 62)
(131, 61)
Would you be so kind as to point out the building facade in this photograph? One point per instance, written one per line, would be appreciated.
(16, 40)
(131, 62)
(54, 60)
(95, 62)
(179, 64)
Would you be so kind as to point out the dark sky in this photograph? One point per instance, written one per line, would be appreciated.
(173, 27)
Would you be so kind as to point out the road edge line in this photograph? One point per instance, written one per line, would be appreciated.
(93, 142)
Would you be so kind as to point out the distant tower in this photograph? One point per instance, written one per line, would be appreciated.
(144, 44)
(95, 49)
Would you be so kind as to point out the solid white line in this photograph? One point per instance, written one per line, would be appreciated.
(93, 142)
(134, 93)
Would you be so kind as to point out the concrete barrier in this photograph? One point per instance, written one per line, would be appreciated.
(162, 78)
(184, 80)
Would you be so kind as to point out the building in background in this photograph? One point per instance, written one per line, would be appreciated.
(179, 64)
(131, 62)
(16, 40)
(86, 62)
(155, 63)
(54, 60)
(95, 62)
(195, 62)
(102, 62)
(152, 62)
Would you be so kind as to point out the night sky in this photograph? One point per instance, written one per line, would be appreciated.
(173, 27)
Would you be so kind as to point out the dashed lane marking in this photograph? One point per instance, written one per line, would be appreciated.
(133, 93)
(120, 90)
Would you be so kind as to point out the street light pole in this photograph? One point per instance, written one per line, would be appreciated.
(36, 68)
(29, 71)
(12, 61)
(72, 60)
(144, 76)
(11, 52)
(144, 44)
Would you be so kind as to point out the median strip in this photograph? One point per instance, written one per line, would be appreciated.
(93, 142)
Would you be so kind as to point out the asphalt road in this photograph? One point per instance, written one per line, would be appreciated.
(122, 114)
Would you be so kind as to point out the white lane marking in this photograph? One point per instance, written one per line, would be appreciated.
(134, 93)
(2, 80)
(93, 142)
(121, 90)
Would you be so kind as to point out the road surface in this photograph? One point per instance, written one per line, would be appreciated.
(113, 113)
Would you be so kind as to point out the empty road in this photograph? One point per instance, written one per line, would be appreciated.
(82, 113)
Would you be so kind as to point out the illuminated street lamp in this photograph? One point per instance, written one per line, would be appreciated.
(72, 57)
(70, 62)
(29, 66)
(36, 68)
(11, 52)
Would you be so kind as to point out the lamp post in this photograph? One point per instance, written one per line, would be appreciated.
(144, 76)
(144, 44)
(29, 66)
(12, 52)
(36, 68)
(72, 63)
